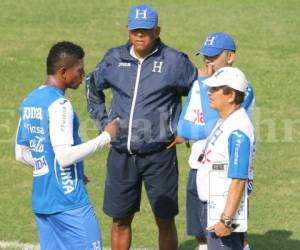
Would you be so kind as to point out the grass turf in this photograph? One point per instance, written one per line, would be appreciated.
(267, 37)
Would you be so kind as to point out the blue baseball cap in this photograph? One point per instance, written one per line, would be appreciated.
(215, 43)
(142, 17)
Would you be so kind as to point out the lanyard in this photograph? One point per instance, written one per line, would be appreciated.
(208, 140)
(212, 134)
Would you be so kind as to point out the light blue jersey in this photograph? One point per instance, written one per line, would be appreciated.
(55, 189)
(197, 119)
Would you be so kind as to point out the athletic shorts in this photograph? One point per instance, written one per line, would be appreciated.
(123, 184)
(196, 210)
(235, 241)
(69, 230)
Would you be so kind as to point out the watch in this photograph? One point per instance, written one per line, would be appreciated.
(226, 220)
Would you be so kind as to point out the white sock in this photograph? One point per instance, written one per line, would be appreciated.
(247, 247)
(202, 247)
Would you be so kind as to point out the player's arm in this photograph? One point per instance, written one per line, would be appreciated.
(22, 149)
(23, 155)
(187, 129)
(191, 131)
(235, 193)
(61, 117)
(197, 108)
(186, 74)
(96, 103)
(239, 157)
(95, 84)
(236, 190)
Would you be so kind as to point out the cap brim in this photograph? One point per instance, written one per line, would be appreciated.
(209, 51)
(213, 82)
(141, 25)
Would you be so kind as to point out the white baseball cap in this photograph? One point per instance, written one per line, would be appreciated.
(228, 76)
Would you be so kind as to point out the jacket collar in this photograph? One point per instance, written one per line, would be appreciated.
(125, 52)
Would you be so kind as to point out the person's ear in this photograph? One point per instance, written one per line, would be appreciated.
(232, 96)
(62, 73)
(230, 57)
(157, 31)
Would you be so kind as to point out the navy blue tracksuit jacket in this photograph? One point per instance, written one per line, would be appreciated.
(146, 96)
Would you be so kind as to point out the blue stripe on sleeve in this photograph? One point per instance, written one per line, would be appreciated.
(239, 155)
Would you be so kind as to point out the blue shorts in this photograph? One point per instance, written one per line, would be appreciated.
(123, 185)
(235, 241)
(69, 230)
(196, 210)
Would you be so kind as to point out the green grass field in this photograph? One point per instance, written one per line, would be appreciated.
(268, 40)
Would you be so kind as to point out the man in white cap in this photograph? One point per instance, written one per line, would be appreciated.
(228, 154)
(198, 119)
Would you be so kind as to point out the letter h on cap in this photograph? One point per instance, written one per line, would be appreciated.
(140, 14)
(210, 40)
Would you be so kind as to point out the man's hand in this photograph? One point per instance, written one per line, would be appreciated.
(177, 140)
(206, 70)
(113, 128)
(86, 180)
(220, 230)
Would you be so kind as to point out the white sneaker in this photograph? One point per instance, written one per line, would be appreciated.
(202, 247)
(247, 247)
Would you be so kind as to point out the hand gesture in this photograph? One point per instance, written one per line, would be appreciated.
(113, 128)
(86, 180)
(206, 70)
(220, 230)
(177, 140)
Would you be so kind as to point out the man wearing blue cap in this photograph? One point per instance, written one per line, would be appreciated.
(198, 119)
(147, 79)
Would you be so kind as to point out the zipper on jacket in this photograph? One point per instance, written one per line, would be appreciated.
(137, 81)
(170, 121)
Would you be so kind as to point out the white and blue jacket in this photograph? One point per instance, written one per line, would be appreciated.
(145, 96)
